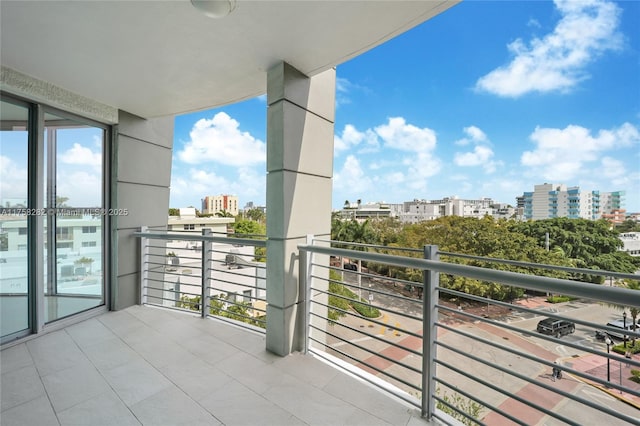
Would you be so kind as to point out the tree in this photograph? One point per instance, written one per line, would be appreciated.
(174, 212)
(590, 244)
(254, 230)
(256, 215)
(480, 237)
(224, 213)
(628, 225)
(61, 201)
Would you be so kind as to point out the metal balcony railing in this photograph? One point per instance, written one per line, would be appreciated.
(476, 359)
(458, 357)
(215, 275)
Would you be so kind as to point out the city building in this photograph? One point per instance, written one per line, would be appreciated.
(212, 204)
(188, 221)
(557, 200)
(362, 211)
(631, 241)
(420, 210)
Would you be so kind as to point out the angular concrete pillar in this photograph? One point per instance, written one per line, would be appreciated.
(142, 175)
(300, 122)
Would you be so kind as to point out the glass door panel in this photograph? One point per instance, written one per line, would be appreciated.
(74, 191)
(14, 228)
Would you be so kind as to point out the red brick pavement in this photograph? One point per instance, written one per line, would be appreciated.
(591, 364)
(620, 373)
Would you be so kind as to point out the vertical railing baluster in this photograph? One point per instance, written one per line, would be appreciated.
(429, 332)
(144, 266)
(306, 265)
(205, 272)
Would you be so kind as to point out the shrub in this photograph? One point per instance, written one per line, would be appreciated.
(366, 311)
(635, 376)
(559, 299)
(634, 349)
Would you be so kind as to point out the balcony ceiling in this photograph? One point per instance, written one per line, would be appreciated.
(156, 58)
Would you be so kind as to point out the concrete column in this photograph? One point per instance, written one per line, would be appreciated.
(141, 172)
(300, 122)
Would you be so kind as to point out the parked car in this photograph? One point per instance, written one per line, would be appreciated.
(618, 324)
(555, 327)
(350, 266)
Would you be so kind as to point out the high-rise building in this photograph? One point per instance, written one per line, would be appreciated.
(212, 204)
(550, 200)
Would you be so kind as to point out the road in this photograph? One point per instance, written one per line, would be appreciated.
(377, 350)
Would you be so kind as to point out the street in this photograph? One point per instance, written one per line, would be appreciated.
(376, 348)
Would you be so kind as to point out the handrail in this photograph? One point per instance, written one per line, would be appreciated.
(572, 269)
(613, 295)
(200, 237)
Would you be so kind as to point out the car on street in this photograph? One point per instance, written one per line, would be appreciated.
(555, 327)
(620, 333)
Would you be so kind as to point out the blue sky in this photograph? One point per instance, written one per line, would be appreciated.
(485, 100)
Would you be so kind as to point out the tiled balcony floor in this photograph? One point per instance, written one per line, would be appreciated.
(158, 367)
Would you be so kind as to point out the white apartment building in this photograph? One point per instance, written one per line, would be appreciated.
(420, 210)
(631, 241)
(363, 211)
(188, 221)
(550, 200)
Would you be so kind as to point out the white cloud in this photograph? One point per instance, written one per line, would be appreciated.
(351, 179)
(344, 88)
(474, 134)
(413, 166)
(13, 179)
(482, 153)
(200, 183)
(557, 61)
(563, 154)
(352, 138)
(245, 182)
(81, 155)
(82, 188)
(397, 134)
(220, 140)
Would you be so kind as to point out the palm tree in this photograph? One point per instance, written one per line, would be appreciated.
(223, 213)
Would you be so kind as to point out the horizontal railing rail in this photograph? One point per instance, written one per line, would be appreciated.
(213, 275)
(441, 374)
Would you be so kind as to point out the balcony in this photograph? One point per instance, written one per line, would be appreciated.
(430, 354)
(156, 366)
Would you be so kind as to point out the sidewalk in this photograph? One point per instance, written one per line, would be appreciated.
(620, 374)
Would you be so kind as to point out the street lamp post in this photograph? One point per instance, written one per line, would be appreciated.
(608, 342)
(624, 325)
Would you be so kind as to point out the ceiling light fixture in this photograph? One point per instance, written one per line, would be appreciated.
(215, 8)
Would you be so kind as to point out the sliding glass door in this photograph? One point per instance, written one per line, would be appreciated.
(14, 227)
(53, 217)
(73, 189)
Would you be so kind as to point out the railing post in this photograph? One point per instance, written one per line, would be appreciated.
(144, 266)
(429, 332)
(205, 272)
(306, 265)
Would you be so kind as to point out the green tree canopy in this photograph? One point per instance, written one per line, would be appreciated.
(590, 244)
(255, 215)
